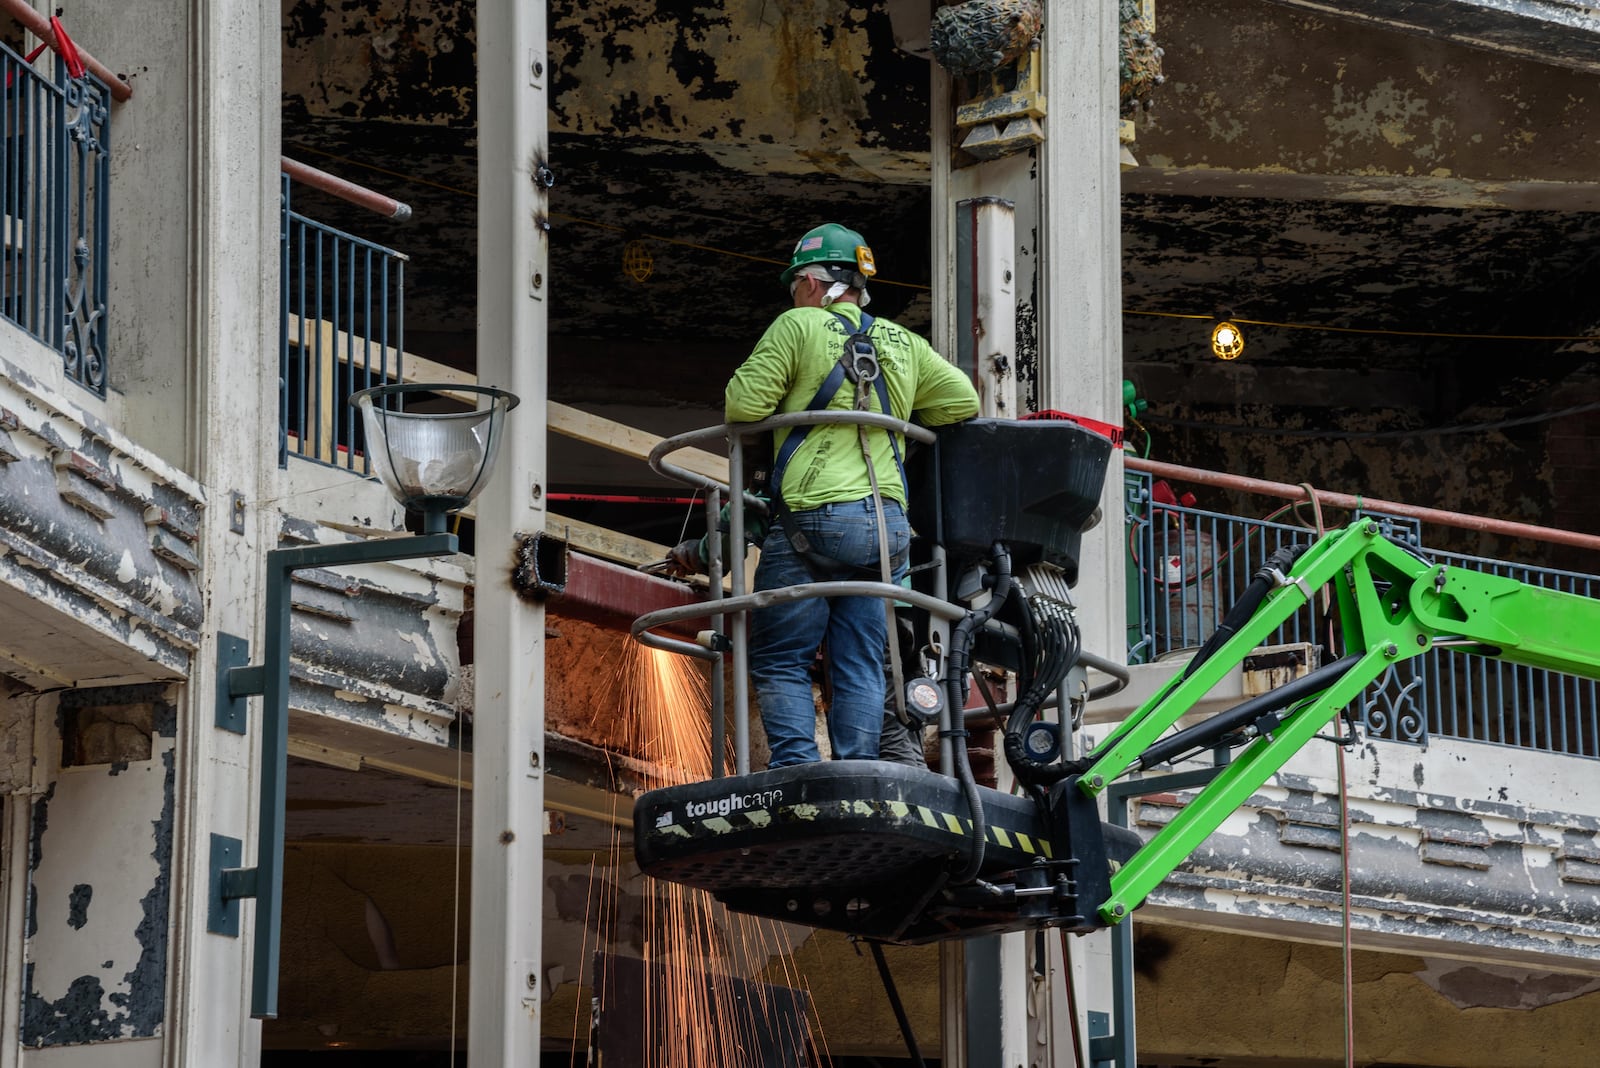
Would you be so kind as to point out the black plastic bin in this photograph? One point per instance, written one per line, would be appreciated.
(1032, 484)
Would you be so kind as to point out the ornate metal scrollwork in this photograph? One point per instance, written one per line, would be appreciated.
(1391, 709)
(85, 190)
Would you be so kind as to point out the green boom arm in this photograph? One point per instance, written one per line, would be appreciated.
(1392, 605)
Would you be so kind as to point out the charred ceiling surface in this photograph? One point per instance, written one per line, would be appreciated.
(1549, 32)
(717, 239)
(1413, 194)
(379, 59)
(711, 136)
(1403, 279)
(795, 88)
(1410, 415)
(1279, 94)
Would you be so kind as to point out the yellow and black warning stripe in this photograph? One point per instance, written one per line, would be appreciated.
(936, 819)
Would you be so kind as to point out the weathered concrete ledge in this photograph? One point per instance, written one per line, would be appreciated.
(375, 650)
(97, 543)
(1430, 872)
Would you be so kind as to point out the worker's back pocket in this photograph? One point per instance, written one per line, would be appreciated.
(848, 532)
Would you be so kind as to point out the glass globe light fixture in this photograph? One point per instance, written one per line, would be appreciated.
(435, 462)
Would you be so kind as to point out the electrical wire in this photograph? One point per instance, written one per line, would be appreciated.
(1346, 955)
(1379, 435)
(1368, 330)
(1072, 1001)
(1345, 946)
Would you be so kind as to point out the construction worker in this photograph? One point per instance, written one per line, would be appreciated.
(834, 516)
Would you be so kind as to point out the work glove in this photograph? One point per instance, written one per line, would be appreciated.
(682, 561)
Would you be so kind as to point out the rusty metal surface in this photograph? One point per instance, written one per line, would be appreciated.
(613, 595)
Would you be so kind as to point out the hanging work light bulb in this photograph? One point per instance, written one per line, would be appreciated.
(637, 263)
(1227, 340)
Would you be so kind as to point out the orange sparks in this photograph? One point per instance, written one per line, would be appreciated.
(706, 1006)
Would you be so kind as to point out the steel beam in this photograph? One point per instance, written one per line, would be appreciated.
(612, 595)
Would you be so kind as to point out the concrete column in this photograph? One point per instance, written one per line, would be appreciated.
(230, 173)
(983, 980)
(1068, 272)
(507, 981)
(1080, 362)
(1080, 366)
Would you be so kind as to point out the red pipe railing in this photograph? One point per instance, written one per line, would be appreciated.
(333, 185)
(1459, 520)
(39, 26)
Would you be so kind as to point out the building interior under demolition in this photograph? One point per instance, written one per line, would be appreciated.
(1405, 225)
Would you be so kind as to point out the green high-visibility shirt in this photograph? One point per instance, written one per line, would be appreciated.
(788, 366)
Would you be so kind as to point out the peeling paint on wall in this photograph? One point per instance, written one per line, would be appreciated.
(78, 906)
(1505, 879)
(99, 886)
(98, 536)
(1474, 986)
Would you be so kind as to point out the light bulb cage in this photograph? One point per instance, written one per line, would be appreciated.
(433, 484)
(637, 263)
(1227, 341)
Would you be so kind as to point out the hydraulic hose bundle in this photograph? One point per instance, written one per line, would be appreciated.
(1051, 645)
(955, 683)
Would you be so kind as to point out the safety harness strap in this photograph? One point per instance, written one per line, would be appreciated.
(824, 396)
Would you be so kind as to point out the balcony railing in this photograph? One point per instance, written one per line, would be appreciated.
(1187, 565)
(342, 329)
(55, 187)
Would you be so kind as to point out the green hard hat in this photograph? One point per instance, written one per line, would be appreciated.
(831, 245)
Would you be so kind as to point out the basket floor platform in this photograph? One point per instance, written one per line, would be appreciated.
(867, 848)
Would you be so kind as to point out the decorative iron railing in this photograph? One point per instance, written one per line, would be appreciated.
(55, 188)
(342, 329)
(1186, 567)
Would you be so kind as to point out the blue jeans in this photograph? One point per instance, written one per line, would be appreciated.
(784, 638)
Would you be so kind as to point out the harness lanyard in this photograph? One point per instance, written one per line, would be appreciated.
(863, 402)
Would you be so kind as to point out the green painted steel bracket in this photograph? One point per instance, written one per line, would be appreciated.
(222, 912)
(1393, 605)
(236, 680)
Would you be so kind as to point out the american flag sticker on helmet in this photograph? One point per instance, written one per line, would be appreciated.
(810, 244)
